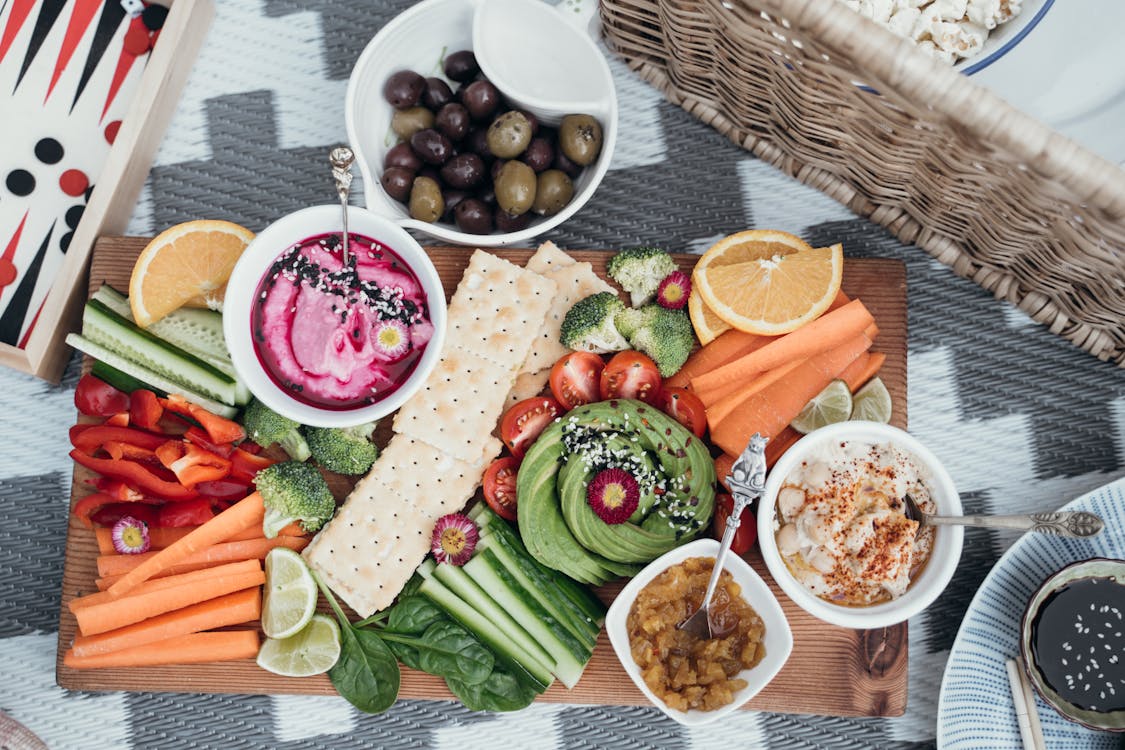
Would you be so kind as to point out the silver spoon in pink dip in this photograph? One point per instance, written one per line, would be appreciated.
(341, 159)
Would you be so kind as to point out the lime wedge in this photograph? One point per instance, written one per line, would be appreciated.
(872, 402)
(833, 404)
(313, 650)
(291, 594)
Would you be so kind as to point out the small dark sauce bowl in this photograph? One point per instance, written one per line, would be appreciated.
(1094, 568)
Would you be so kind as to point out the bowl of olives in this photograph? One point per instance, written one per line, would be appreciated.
(444, 151)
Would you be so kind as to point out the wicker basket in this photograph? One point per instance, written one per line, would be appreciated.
(920, 149)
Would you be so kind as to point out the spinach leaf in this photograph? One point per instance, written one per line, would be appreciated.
(412, 615)
(367, 673)
(502, 691)
(445, 649)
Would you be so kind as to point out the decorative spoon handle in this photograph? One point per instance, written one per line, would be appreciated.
(747, 480)
(341, 159)
(1076, 523)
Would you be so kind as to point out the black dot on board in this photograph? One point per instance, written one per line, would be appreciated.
(49, 151)
(20, 182)
(153, 17)
(64, 241)
(74, 215)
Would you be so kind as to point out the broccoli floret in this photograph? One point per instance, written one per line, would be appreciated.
(631, 319)
(265, 427)
(588, 325)
(663, 334)
(294, 491)
(346, 450)
(639, 270)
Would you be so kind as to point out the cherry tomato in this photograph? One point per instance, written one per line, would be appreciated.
(631, 375)
(574, 379)
(747, 532)
(524, 421)
(96, 398)
(686, 408)
(500, 486)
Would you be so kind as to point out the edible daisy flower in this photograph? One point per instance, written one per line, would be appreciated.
(391, 339)
(614, 495)
(455, 537)
(130, 536)
(674, 290)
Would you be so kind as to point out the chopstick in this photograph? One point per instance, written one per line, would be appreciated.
(1027, 716)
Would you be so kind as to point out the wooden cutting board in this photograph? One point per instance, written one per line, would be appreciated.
(832, 671)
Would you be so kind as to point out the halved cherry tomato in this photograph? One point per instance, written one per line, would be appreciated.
(524, 421)
(747, 532)
(500, 486)
(686, 408)
(574, 379)
(96, 398)
(631, 375)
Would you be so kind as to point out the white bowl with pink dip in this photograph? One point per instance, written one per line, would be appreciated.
(841, 550)
(323, 345)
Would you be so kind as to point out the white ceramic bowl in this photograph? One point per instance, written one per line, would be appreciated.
(1005, 37)
(416, 39)
(778, 639)
(944, 556)
(256, 260)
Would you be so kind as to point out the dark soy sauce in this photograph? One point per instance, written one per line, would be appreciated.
(1078, 643)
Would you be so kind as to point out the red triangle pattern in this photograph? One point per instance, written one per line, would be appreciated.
(21, 9)
(84, 12)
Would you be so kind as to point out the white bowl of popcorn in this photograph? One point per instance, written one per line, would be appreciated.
(970, 35)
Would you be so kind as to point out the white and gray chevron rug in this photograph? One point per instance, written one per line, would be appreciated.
(1023, 420)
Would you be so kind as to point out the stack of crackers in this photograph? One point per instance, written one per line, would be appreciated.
(501, 340)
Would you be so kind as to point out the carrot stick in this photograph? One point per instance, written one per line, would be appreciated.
(195, 648)
(828, 331)
(126, 610)
(191, 578)
(862, 370)
(160, 537)
(771, 409)
(232, 609)
(780, 444)
(727, 347)
(246, 513)
(248, 549)
(718, 410)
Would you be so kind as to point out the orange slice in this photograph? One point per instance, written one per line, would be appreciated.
(707, 324)
(768, 282)
(189, 262)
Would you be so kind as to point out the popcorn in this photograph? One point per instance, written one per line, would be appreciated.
(949, 30)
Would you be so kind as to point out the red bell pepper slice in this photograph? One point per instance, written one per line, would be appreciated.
(120, 419)
(192, 464)
(136, 474)
(245, 465)
(96, 398)
(185, 513)
(203, 440)
(107, 515)
(145, 410)
(219, 429)
(224, 489)
(89, 505)
(126, 450)
(119, 491)
(92, 438)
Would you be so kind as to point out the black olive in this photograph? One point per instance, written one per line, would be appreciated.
(436, 94)
(403, 89)
(481, 99)
(397, 181)
(461, 66)
(452, 198)
(453, 121)
(463, 171)
(540, 154)
(569, 168)
(401, 155)
(431, 146)
(477, 142)
(473, 216)
(505, 222)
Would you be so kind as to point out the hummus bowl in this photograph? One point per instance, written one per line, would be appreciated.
(845, 540)
(777, 638)
(305, 353)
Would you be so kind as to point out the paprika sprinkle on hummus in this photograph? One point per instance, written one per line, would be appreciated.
(336, 336)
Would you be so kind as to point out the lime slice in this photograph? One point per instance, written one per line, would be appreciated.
(872, 402)
(311, 651)
(291, 594)
(833, 404)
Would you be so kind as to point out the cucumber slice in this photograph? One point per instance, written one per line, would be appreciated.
(509, 653)
(105, 327)
(569, 655)
(196, 331)
(120, 380)
(153, 380)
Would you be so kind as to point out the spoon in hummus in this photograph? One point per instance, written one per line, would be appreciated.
(1074, 524)
(747, 480)
(341, 159)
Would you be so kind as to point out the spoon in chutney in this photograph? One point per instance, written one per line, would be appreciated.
(747, 481)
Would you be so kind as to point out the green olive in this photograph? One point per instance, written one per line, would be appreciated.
(407, 122)
(515, 188)
(580, 138)
(554, 190)
(426, 203)
(509, 134)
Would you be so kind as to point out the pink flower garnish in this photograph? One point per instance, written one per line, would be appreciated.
(614, 495)
(455, 537)
(130, 536)
(391, 339)
(674, 290)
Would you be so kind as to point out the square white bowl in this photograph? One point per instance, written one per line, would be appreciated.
(778, 638)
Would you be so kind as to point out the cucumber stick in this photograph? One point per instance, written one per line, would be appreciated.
(103, 326)
(569, 655)
(153, 379)
(508, 652)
